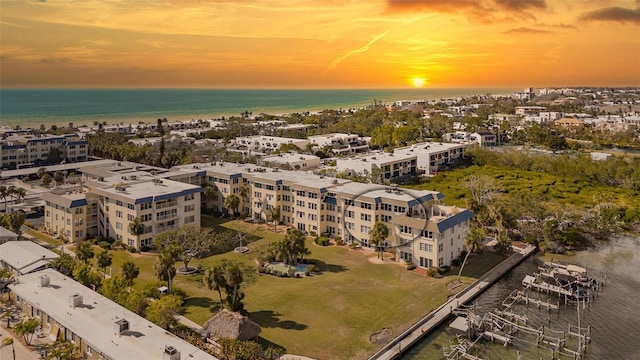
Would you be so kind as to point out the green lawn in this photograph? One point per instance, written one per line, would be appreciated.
(328, 315)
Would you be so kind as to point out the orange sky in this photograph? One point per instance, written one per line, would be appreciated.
(319, 43)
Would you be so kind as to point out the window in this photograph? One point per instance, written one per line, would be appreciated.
(427, 234)
(348, 202)
(313, 195)
(426, 247)
(300, 214)
(189, 208)
(349, 225)
(119, 226)
(189, 219)
(118, 213)
(313, 217)
(130, 242)
(405, 229)
(365, 229)
(146, 217)
(79, 233)
(440, 261)
(189, 197)
(300, 203)
(131, 206)
(129, 217)
(349, 214)
(365, 217)
(313, 206)
(145, 206)
(440, 247)
(89, 350)
(119, 203)
(365, 205)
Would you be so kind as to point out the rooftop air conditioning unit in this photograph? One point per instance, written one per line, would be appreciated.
(75, 300)
(170, 353)
(43, 281)
(120, 326)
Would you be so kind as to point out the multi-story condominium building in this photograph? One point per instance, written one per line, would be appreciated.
(317, 204)
(341, 144)
(260, 144)
(529, 110)
(382, 167)
(33, 150)
(97, 326)
(292, 161)
(431, 156)
(107, 204)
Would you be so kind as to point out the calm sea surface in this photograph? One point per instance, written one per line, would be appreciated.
(29, 107)
(614, 316)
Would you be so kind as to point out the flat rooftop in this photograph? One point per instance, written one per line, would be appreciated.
(427, 147)
(162, 188)
(94, 320)
(25, 256)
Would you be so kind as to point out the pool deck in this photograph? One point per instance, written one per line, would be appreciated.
(425, 325)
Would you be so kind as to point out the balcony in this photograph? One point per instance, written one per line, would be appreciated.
(163, 228)
(166, 205)
(167, 216)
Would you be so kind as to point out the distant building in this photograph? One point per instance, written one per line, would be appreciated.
(340, 143)
(18, 151)
(267, 144)
(292, 161)
(432, 157)
(383, 167)
(529, 110)
(570, 122)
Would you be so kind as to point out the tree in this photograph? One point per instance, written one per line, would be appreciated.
(46, 179)
(115, 289)
(136, 227)
(4, 192)
(84, 252)
(62, 350)
(377, 235)
(234, 277)
(130, 272)
(85, 275)
(54, 156)
(240, 350)
(232, 202)
(13, 221)
(64, 264)
(207, 194)
(189, 240)
(58, 177)
(20, 194)
(274, 215)
(104, 259)
(9, 341)
(165, 268)
(213, 279)
(474, 238)
(26, 329)
(162, 311)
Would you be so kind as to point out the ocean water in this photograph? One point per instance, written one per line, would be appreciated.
(32, 107)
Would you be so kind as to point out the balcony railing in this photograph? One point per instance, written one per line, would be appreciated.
(167, 216)
(166, 205)
(163, 228)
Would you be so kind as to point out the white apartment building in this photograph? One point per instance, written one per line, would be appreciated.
(292, 161)
(113, 196)
(100, 328)
(431, 156)
(33, 150)
(529, 110)
(267, 144)
(340, 143)
(381, 166)
(317, 204)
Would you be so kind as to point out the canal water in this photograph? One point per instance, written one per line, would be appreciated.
(614, 315)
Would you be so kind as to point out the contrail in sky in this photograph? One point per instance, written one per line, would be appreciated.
(337, 61)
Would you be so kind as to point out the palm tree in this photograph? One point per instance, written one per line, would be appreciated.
(233, 276)
(165, 265)
(136, 227)
(26, 329)
(129, 272)
(207, 194)
(104, 259)
(9, 341)
(274, 215)
(213, 279)
(20, 194)
(4, 192)
(232, 202)
(84, 252)
(377, 235)
(473, 243)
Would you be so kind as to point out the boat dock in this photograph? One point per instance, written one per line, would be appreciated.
(425, 325)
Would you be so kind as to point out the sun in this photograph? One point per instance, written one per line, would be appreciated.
(418, 82)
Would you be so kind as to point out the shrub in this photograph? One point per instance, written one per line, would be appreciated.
(145, 248)
(432, 271)
(322, 241)
(339, 240)
(353, 244)
(455, 262)
(261, 269)
(311, 268)
(313, 233)
(410, 265)
(104, 244)
(131, 249)
(444, 269)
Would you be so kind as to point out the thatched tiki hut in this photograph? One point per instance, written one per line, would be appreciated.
(231, 325)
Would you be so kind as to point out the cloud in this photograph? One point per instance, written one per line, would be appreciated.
(51, 60)
(616, 14)
(519, 5)
(362, 49)
(525, 30)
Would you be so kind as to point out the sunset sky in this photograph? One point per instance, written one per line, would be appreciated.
(319, 43)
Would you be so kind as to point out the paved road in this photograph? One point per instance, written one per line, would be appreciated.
(429, 322)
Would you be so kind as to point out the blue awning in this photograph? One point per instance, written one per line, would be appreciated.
(144, 200)
(330, 200)
(78, 202)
